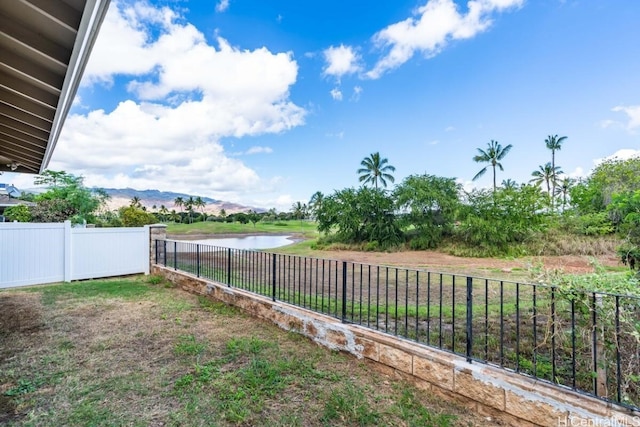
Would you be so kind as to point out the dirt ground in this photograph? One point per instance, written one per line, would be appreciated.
(151, 355)
(438, 261)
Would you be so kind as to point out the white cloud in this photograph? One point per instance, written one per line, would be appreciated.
(633, 113)
(434, 142)
(431, 28)
(449, 129)
(259, 150)
(336, 94)
(339, 135)
(186, 96)
(340, 61)
(357, 91)
(222, 6)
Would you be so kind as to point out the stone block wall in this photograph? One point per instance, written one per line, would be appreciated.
(512, 398)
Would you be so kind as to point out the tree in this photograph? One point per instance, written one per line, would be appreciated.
(174, 216)
(189, 204)
(554, 143)
(608, 178)
(67, 199)
(494, 221)
(253, 217)
(54, 178)
(135, 202)
(430, 204)
(163, 213)
(133, 216)
(199, 203)
(18, 213)
(545, 174)
(315, 203)
(563, 189)
(509, 183)
(362, 215)
(492, 155)
(299, 210)
(374, 169)
(179, 202)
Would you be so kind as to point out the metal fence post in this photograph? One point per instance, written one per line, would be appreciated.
(344, 291)
(229, 267)
(175, 255)
(273, 276)
(469, 318)
(164, 244)
(197, 260)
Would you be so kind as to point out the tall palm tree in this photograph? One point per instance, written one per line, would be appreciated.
(554, 143)
(492, 155)
(179, 202)
(546, 174)
(189, 204)
(563, 188)
(135, 202)
(374, 169)
(200, 203)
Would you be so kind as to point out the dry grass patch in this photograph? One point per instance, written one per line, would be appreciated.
(135, 352)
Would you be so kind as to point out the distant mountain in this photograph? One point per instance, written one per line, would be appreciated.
(149, 198)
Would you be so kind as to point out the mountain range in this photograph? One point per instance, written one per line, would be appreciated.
(149, 198)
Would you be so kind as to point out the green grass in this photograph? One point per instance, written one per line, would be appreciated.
(306, 228)
(89, 289)
(134, 352)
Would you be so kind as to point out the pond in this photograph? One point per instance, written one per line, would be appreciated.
(248, 242)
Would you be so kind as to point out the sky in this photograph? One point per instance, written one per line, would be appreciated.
(266, 102)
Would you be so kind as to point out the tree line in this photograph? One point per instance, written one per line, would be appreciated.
(427, 211)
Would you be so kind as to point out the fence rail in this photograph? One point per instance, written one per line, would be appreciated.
(586, 341)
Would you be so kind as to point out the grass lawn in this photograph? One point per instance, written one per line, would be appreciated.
(306, 228)
(135, 351)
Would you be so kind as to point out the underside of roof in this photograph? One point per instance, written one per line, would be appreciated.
(44, 48)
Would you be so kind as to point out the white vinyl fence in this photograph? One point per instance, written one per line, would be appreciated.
(33, 254)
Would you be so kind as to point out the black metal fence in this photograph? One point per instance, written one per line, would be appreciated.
(586, 341)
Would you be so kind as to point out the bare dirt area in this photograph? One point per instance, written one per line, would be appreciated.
(443, 262)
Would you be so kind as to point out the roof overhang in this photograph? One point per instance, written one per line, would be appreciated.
(44, 48)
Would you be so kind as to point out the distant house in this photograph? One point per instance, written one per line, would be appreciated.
(8, 194)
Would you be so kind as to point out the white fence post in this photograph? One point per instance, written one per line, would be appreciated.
(68, 250)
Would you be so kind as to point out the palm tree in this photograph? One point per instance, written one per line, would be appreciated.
(563, 189)
(188, 204)
(299, 210)
(554, 143)
(179, 202)
(509, 184)
(375, 168)
(200, 203)
(546, 174)
(492, 155)
(135, 202)
(163, 213)
(315, 203)
(174, 216)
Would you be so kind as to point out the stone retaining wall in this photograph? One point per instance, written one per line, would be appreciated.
(513, 398)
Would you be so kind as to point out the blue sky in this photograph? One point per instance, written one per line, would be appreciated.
(266, 102)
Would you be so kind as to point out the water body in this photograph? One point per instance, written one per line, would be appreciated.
(248, 242)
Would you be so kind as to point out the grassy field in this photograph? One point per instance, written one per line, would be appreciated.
(305, 228)
(135, 351)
